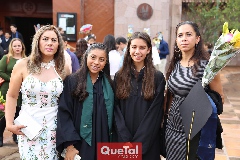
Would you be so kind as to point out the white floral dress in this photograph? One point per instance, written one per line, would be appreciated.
(40, 100)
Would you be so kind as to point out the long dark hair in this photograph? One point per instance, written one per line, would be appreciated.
(81, 75)
(110, 42)
(123, 78)
(81, 47)
(199, 52)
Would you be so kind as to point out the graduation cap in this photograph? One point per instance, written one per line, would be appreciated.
(195, 110)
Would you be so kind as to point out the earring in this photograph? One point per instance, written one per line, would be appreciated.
(175, 49)
(196, 45)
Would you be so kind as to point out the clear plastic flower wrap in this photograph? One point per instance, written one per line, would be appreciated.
(226, 48)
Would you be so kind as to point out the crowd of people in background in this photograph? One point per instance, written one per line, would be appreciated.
(95, 90)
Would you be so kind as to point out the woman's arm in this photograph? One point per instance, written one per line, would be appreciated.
(216, 85)
(12, 96)
(68, 62)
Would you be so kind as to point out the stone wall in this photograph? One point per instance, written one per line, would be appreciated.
(166, 16)
(126, 14)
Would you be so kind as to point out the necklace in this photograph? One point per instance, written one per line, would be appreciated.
(48, 65)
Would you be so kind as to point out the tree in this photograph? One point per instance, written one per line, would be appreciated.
(210, 17)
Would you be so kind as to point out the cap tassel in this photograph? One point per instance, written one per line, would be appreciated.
(189, 135)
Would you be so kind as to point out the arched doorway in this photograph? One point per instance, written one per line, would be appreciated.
(25, 14)
(27, 28)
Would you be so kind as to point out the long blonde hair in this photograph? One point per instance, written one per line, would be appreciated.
(11, 53)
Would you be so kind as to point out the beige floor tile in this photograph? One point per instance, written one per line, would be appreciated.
(232, 144)
(231, 139)
(232, 134)
(233, 152)
(229, 117)
(220, 157)
(231, 126)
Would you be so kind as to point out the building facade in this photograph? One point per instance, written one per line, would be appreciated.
(107, 17)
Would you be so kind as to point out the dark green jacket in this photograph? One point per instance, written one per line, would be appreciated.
(5, 73)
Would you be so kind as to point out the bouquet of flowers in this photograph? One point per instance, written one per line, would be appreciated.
(2, 106)
(156, 41)
(226, 47)
(86, 29)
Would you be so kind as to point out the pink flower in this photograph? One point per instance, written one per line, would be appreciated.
(228, 37)
(1, 107)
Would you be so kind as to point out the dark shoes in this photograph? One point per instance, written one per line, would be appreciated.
(1, 141)
(15, 138)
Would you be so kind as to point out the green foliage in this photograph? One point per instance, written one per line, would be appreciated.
(232, 14)
(211, 16)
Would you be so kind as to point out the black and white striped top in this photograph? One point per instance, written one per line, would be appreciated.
(180, 83)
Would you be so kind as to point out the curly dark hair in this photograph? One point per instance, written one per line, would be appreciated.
(199, 52)
(81, 47)
(81, 75)
(123, 78)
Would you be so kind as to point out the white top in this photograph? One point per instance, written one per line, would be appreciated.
(114, 61)
(155, 56)
(40, 96)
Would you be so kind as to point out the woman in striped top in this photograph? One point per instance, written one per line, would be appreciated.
(186, 68)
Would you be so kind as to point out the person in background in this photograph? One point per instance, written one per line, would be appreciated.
(91, 38)
(155, 54)
(121, 45)
(81, 47)
(1, 52)
(1, 49)
(60, 29)
(15, 33)
(139, 92)
(40, 79)
(16, 52)
(87, 100)
(6, 41)
(186, 69)
(75, 62)
(37, 27)
(113, 54)
(62, 32)
(163, 52)
(1, 35)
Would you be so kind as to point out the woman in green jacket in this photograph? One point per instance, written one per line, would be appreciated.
(16, 52)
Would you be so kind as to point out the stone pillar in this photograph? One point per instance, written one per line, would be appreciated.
(175, 14)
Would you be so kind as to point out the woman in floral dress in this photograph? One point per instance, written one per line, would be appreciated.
(40, 79)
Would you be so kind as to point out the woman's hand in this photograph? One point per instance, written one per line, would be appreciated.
(16, 129)
(71, 153)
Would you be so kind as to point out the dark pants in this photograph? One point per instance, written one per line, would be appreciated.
(3, 121)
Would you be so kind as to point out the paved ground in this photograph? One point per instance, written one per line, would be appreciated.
(230, 120)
